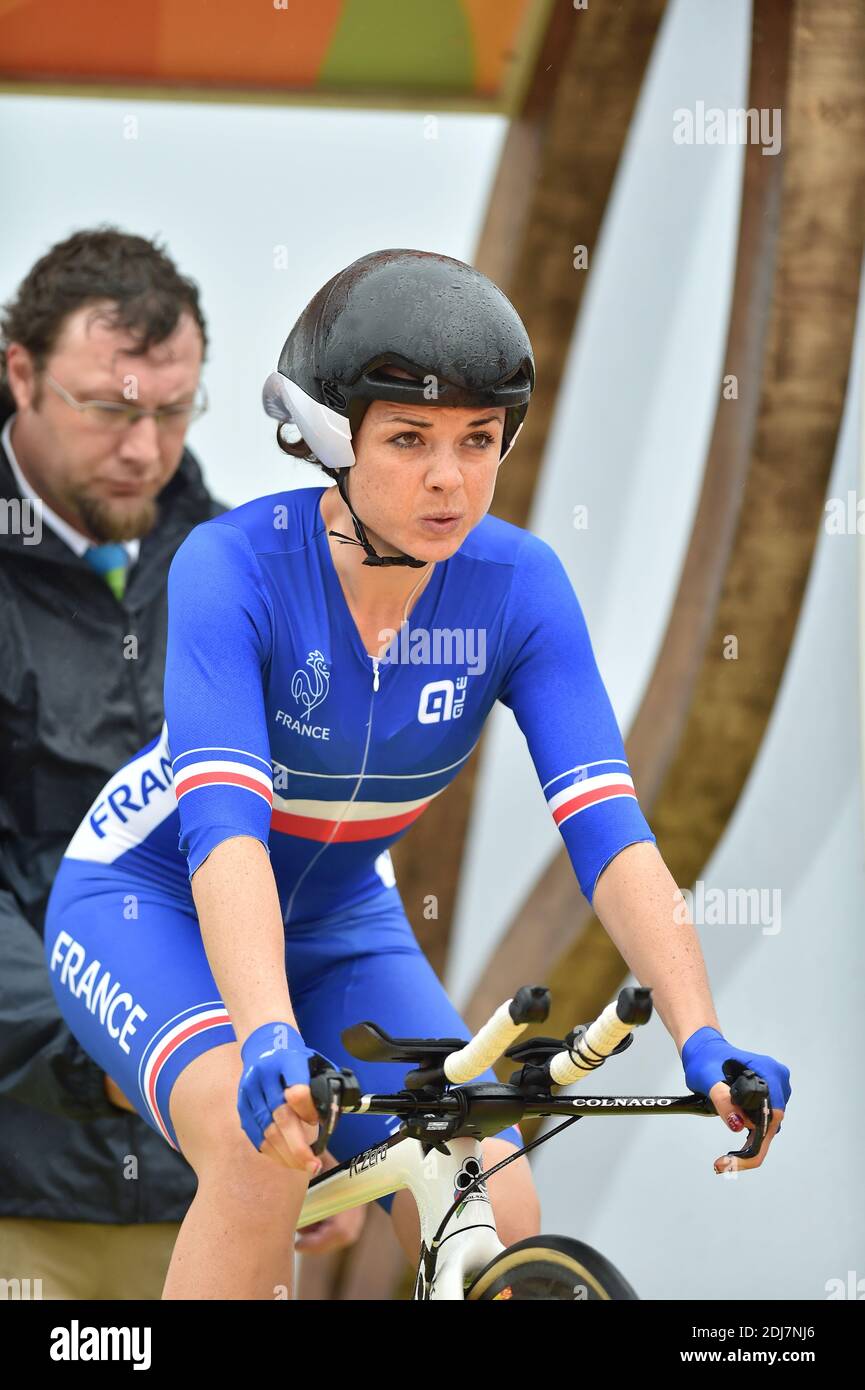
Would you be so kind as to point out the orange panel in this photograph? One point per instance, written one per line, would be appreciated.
(495, 26)
(52, 37)
(215, 42)
(227, 41)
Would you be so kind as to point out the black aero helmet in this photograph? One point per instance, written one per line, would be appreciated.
(434, 317)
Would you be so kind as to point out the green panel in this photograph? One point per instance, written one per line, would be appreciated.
(404, 43)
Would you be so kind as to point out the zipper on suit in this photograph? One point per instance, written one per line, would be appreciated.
(375, 684)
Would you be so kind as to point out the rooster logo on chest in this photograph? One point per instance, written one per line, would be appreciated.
(308, 689)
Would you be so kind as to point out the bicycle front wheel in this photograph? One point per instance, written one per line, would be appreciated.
(550, 1267)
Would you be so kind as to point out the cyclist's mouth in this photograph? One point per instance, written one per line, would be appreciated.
(441, 525)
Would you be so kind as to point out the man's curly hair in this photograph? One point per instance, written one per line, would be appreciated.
(102, 263)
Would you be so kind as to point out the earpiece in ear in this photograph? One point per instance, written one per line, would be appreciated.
(289, 433)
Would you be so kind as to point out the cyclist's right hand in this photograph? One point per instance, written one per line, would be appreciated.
(274, 1095)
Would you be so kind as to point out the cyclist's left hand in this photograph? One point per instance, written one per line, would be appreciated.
(730, 1163)
(334, 1232)
(702, 1057)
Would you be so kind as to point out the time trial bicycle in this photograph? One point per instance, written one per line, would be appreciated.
(436, 1153)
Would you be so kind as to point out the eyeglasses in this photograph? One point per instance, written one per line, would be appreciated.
(114, 415)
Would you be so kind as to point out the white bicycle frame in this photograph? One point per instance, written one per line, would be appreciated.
(470, 1239)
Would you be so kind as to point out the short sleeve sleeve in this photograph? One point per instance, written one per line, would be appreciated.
(220, 626)
(553, 685)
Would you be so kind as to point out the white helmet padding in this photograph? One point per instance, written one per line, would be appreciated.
(327, 433)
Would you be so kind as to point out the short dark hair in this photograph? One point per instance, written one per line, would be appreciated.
(147, 289)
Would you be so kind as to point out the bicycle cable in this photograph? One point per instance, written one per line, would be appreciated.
(502, 1163)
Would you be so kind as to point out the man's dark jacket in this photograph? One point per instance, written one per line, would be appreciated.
(73, 708)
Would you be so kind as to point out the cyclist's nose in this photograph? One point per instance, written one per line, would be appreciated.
(445, 469)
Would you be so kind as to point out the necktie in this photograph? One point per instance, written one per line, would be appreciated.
(111, 561)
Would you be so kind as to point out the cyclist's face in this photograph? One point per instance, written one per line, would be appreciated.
(101, 478)
(418, 462)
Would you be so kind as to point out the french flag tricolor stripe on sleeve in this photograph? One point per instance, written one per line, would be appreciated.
(232, 755)
(588, 791)
(219, 773)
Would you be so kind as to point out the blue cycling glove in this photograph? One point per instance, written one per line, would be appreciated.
(274, 1057)
(704, 1053)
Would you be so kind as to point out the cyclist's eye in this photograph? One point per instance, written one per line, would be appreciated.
(482, 437)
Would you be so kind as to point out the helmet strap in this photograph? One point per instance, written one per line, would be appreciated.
(372, 557)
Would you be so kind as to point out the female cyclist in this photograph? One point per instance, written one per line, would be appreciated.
(228, 904)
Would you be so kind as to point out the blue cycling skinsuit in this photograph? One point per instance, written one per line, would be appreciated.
(279, 725)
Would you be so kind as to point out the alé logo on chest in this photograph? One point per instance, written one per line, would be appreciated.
(439, 700)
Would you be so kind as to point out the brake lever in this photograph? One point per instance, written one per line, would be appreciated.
(328, 1087)
(750, 1093)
